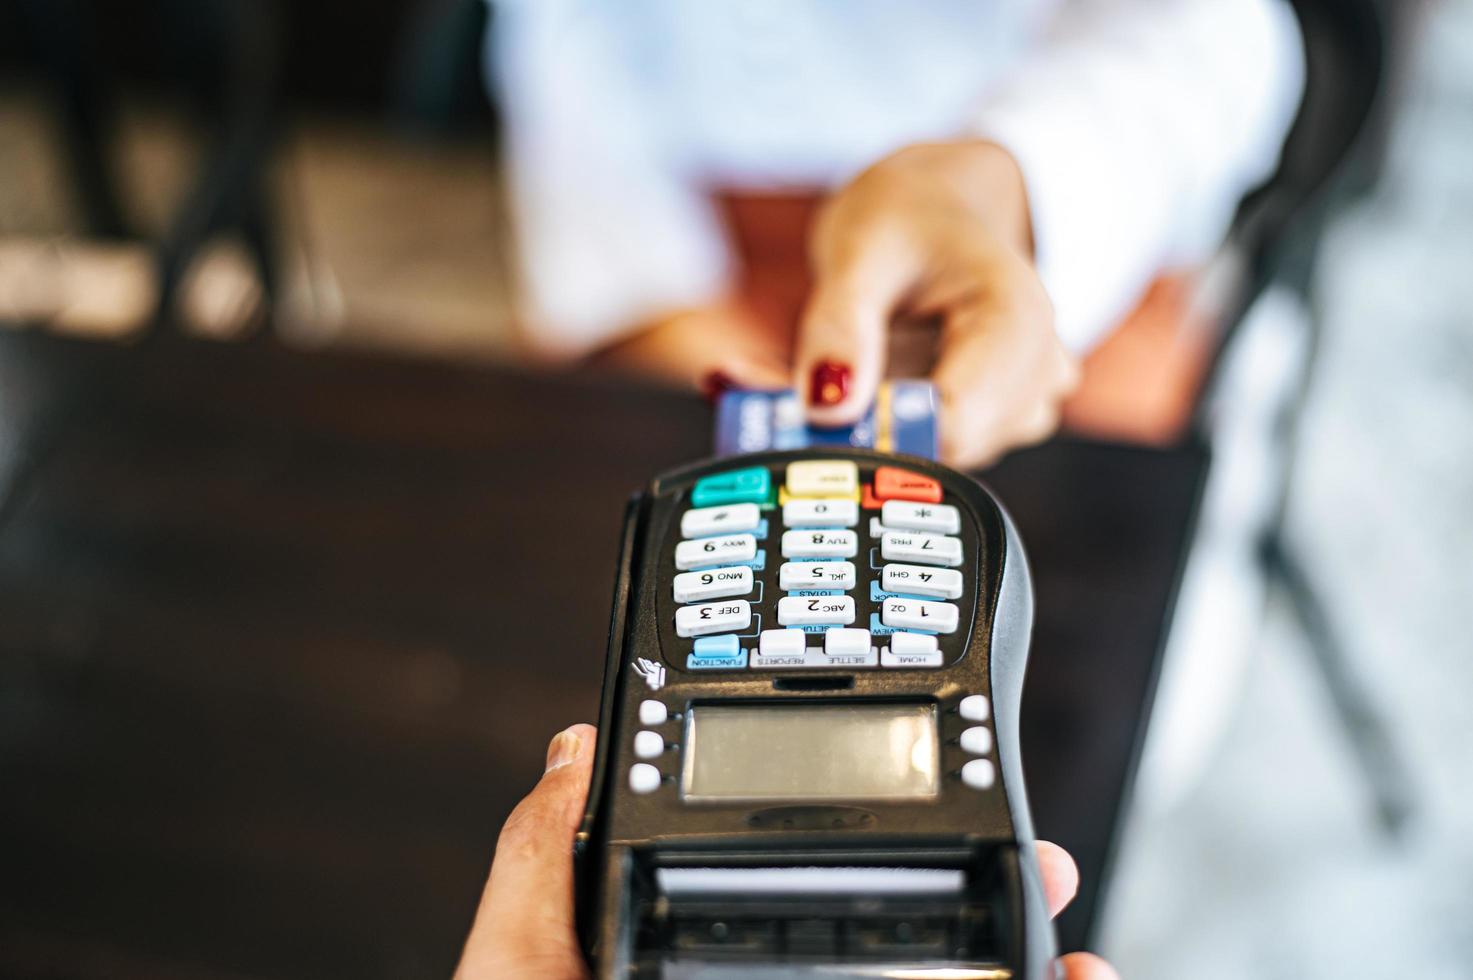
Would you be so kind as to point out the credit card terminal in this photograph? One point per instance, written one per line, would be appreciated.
(808, 754)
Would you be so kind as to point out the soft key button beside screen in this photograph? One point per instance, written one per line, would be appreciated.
(730, 519)
(713, 583)
(822, 478)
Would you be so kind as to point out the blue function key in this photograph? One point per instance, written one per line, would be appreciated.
(716, 646)
(751, 485)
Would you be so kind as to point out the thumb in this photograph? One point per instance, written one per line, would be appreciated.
(524, 926)
(1086, 966)
(841, 344)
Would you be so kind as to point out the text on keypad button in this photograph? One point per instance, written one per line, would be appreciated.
(816, 575)
(701, 522)
(907, 515)
(913, 546)
(820, 513)
(919, 614)
(820, 544)
(943, 583)
(713, 617)
(815, 610)
(729, 550)
(713, 583)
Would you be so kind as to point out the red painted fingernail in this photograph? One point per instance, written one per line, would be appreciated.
(829, 384)
(715, 384)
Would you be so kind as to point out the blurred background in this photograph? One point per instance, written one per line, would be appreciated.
(323, 179)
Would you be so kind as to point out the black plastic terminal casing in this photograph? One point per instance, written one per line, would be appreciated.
(997, 924)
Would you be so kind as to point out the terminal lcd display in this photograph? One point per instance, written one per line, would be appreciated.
(802, 752)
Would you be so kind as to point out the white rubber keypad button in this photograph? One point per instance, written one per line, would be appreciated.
(821, 513)
(975, 707)
(822, 478)
(919, 614)
(907, 515)
(846, 642)
(979, 774)
(927, 549)
(816, 575)
(976, 740)
(713, 617)
(729, 519)
(649, 745)
(943, 583)
(782, 643)
(644, 778)
(652, 712)
(820, 544)
(911, 650)
(713, 583)
(815, 610)
(731, 549)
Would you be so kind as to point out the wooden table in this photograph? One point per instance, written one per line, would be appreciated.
(283, 637)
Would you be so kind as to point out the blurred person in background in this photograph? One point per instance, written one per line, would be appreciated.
(1016, 172)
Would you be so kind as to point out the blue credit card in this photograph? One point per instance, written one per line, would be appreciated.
(901, 420)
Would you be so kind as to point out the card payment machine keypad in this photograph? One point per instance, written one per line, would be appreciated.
(808, 757)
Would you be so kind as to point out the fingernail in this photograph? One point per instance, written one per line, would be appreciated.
(829, 383)
(715, 384)
(563, 749)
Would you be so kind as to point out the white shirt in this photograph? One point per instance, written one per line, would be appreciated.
(1138, 125)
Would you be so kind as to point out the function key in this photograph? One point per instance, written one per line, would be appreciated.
(907, 515)
(894, 483)
(942, 583)
(782, 643)
(751, 485)
(708, 647)
(913, 546)
(713, 617)
(837, 610)
(730, 519)
(713, 583)
(846, 642)
(820, 513)
(730, 550)
(840, 575)
(822, 478)
(919, 614)
(913, 650)
(820, 544)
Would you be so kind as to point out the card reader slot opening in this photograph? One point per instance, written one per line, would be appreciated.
(959, 919)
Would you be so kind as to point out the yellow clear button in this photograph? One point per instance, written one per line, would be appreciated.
(822, 478)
